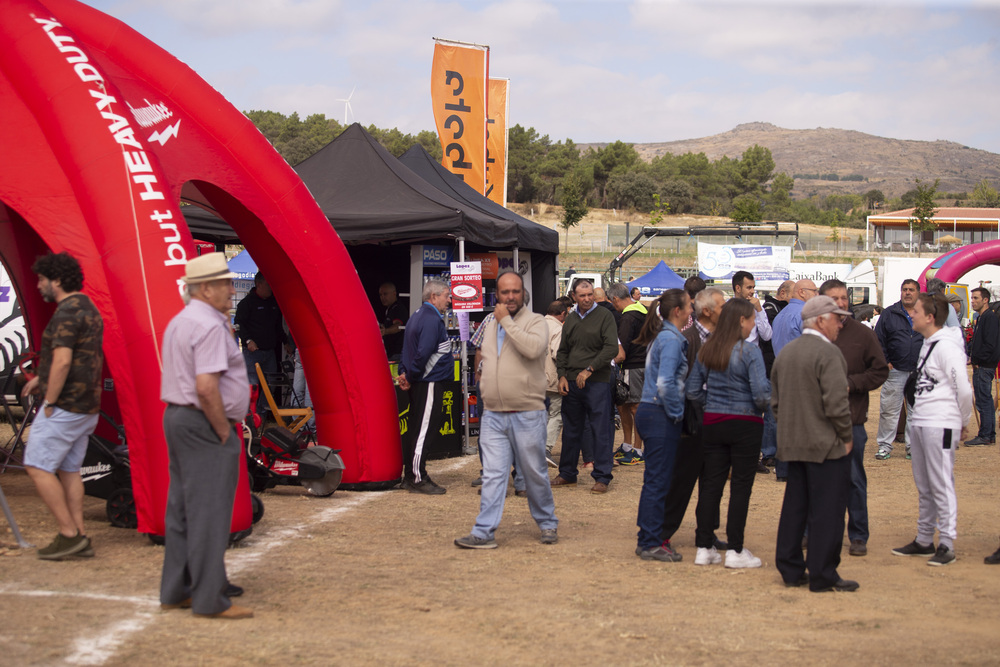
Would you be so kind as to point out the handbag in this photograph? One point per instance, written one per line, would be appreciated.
(621, 388)
(910, 388)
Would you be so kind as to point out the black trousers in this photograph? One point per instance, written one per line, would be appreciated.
(687, 470)
(731, 445)
(815, 497)
(422, 423)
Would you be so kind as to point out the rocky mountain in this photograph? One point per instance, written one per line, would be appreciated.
(889, 165)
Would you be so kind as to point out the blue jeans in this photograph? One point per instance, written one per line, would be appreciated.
(769, 442)
(982, 387)
(857, 499)
(301, 389)
(660, 436)
(268, 364)
(890, 403)
(589, 408)
(518, 438)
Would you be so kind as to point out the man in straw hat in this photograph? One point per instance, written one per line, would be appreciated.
(207, 393)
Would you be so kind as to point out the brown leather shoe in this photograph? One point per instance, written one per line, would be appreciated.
(235, 612)
(561, 481)
(858, 548)
(599, 487)
(183, 604)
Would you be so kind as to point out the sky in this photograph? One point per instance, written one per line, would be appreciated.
(602, 70)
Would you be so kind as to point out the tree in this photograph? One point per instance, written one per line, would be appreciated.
(659, 210)
(985, 195)
(746, 208)
(574, 205)
(630, 190)
(873, 198)
(754, 169)
(924, 210)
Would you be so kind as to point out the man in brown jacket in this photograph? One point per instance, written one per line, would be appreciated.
(809, 399)
(866, 371)
(512, 428)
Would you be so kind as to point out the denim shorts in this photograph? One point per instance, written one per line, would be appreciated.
(59, 442)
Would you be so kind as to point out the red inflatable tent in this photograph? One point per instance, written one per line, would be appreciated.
(104, 134)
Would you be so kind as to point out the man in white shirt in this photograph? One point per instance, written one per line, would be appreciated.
(744, 287)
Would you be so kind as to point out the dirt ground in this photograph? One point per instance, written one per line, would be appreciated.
(373, 578)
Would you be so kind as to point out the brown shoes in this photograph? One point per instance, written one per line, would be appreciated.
(858, 548)
(235, 612)
(561, 481)
(599, 487)
(183, 604)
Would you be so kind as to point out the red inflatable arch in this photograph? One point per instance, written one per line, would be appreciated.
(104, 133)
(951, 266)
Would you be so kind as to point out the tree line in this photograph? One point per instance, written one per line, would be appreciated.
(539, 170)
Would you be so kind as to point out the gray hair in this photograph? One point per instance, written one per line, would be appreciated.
(618, 291)
(935, 285)
(433, 288)
(706, 299)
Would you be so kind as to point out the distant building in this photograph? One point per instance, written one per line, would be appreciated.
(955, 227)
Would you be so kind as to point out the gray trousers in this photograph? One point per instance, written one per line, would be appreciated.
(203, 475)
(554, 424)
(933, 467)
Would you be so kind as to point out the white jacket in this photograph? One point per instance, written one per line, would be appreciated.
(944, 393)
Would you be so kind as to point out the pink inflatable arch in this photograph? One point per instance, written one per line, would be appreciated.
(104, 134)
(951, 266)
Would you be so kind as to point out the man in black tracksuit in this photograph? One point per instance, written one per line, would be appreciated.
(984, 354)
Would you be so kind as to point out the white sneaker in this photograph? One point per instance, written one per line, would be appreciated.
(741, 559)
(709, 556)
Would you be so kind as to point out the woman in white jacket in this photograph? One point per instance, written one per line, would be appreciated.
(941, 406)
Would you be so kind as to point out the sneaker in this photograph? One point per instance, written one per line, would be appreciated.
(477, 481)
(993, 558)
(63, 546)
(619, 453)
(470, 541)
(741, 559)
(908, 457)
(942, 556)
(549, 536)
(424, 486)
(548, 460)
(979, 440)
(633, 457)
(709, 556)
(663, 553)
(883, 454)
(914, 548)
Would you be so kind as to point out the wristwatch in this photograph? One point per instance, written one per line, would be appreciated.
(589, 369)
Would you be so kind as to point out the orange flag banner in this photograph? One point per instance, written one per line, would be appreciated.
(458, 93)
(496, 141)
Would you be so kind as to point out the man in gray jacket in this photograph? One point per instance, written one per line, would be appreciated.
(809, 398)
(512, 428)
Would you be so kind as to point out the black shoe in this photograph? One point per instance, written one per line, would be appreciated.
(769, 461)
(425, 486)
(798, 583)
(719, 545)
(763, 469)
(233, 591)
(478, 481)
(842, 586)
(993, 558)
(779, 478)
(914, 548)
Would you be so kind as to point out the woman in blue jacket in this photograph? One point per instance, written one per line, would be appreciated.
(729, 380)
(660, 414)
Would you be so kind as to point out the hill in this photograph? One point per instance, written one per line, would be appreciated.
(889, 165)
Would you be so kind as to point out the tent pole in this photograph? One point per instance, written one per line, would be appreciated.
(464, 369)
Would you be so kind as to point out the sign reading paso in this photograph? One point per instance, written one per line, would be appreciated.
(466, 286)
(766, 263)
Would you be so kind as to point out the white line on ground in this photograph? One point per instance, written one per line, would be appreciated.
(98, 649)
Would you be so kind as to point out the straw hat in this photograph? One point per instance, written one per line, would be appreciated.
(211, 266)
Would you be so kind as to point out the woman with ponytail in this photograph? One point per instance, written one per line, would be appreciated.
(729, 380)
(660, 415)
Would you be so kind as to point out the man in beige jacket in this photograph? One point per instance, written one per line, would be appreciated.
(554, 318)
(512, 428)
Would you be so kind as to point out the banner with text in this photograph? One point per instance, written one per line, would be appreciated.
(496, 141)
(458, 95)
(766, 263)
(466, 286)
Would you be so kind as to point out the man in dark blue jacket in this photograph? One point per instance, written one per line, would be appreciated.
(901, 347)
(984, 354)
(426, 360)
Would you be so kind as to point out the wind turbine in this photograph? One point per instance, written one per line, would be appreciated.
(347, 105)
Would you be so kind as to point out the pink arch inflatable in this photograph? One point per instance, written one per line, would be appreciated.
(951, 266)
(104, 133)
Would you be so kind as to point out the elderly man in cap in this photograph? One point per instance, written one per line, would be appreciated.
(206, 390)
(809, 397)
